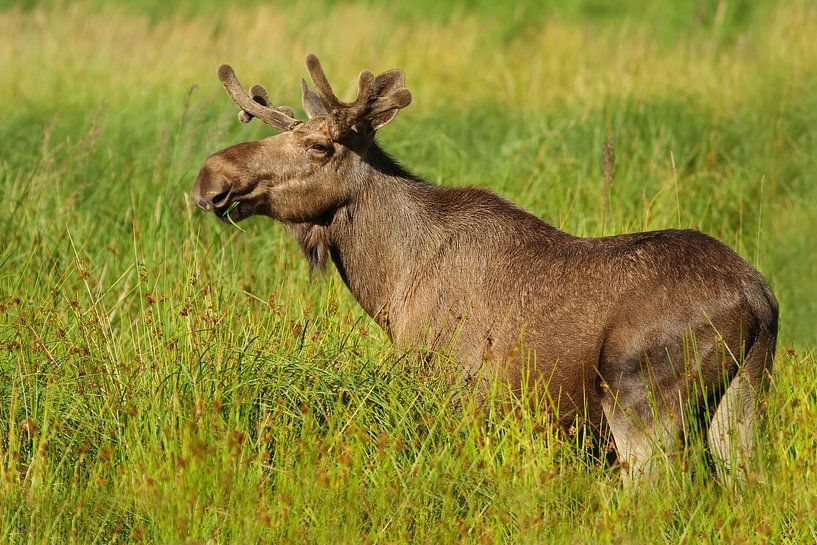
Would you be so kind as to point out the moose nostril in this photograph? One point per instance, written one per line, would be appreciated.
(219, 198)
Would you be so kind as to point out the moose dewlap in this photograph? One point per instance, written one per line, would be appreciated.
(626, 331)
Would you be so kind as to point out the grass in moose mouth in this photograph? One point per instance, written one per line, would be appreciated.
(226, 214)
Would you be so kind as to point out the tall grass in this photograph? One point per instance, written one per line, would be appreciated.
(165, 378)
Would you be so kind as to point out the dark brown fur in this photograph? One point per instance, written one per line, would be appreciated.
(616, 330)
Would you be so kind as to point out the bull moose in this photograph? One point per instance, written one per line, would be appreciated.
(627, 332)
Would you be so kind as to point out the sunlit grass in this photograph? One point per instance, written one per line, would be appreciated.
(166, 378)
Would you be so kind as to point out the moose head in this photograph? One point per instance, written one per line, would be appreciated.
(308, 170)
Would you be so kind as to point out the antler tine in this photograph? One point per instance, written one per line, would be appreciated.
(259, 94)
(365, 89)
(282, 118)
(394, 100)
(321, 83)
(365, 85)
(378, 99)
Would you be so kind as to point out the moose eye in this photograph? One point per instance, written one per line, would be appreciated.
(318, 149)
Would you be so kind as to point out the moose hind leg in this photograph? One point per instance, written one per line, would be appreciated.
(644, 438)
(732, 430)
(643, 398)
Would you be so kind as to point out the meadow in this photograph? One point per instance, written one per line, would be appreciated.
(166, 378)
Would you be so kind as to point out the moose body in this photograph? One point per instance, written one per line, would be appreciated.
(625, 332)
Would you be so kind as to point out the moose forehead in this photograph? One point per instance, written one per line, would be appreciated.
(316, 129)
(316, 124)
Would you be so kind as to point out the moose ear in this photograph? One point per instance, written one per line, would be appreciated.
(313, 105)
(379, 120)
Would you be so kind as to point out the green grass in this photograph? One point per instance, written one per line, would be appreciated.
(166, 378)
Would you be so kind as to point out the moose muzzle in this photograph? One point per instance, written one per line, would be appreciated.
(211, 190)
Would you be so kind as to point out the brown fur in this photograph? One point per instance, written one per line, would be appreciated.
(615, 329)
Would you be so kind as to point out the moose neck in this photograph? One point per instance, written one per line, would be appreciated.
(377, 239)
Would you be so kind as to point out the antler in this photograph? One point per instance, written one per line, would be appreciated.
(378, 98)
(255, 104)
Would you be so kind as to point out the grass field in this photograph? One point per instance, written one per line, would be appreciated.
(165, 378)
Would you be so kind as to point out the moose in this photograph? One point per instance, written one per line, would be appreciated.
(626, 333)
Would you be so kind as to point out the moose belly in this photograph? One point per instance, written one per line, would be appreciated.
(551, 354)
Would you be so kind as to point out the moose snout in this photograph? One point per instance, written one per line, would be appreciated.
(211, 191)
